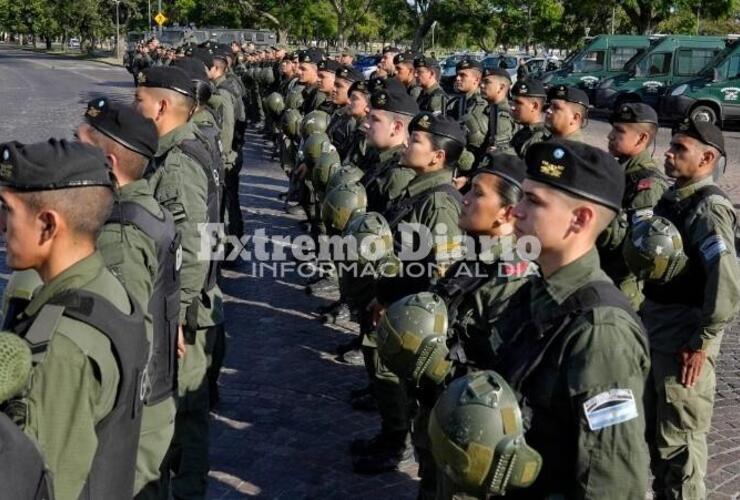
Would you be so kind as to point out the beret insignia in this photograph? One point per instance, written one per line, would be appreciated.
(552, 170)
(424, 122)
(141, 77)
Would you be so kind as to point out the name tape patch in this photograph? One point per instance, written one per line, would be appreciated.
(712, 247)
(610, 408)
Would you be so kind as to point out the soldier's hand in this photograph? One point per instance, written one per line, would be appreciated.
(301, 170)
(691, 364)
(180, 342)
(376, 310)
(459, 182)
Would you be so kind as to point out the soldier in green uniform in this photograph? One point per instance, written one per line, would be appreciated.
(327, 69)
(567, 112)
(634, 127)
(391, 112)
(687, 316)
(386, 61)
(343, 124)
(360, 153)
(494, 88)
(577, 353)
(529, 97)
(129, 141)
(82, 403)
(469, 102)
(182, 184)
(403, 63)
(308, 76)
(432, 97)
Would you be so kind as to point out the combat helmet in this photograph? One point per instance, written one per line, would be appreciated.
(315, 121)
(291, 122)
(345, 174)
(326, 166)
(312, 147)
(654, 250)
(477, 436)
(373, 236)
(19, 291)
(275, 104)
(341, 204)
(267, 76)
(412, 338)
(294, 100)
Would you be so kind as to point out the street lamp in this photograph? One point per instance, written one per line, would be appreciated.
(118, 30)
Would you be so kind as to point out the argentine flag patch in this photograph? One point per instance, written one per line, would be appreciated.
(610, 408)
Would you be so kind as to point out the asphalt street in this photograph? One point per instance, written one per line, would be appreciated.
(284, 422)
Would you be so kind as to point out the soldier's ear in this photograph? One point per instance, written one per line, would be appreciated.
(709, 156)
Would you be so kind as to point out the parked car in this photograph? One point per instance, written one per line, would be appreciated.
(366, 64)
(74, 43)
(510, 63)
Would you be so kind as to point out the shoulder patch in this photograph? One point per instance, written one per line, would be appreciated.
(712, 247)
(644, 184)
(641, 214)
(609, 408)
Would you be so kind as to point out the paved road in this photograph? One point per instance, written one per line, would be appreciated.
(284, 421)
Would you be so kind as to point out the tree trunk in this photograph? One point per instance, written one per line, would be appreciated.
(421, 32)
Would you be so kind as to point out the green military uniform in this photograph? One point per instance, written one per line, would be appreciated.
(474, 117)
(341, 130)
(644, 186)
(131, 256)
(181, 186)
(386, 179)
(500, 139)
(528, 135)
(691, 311)
(433, 99)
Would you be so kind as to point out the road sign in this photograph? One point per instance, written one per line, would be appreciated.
(160, 19)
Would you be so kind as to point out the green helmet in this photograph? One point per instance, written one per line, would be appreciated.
(20, 287)
(327, 164)
(342, 204)
(294, 100)
(466, 161)
(315, 121)
(291, 122)
(275, 104)
(373, 235)
(477, 437)
(345, 174)
(268, 77)
(412, 338)
(654, 250)
(312, 147)
(476, 126)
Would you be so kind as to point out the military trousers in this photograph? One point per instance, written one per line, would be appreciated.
(231, 212)
(678, 421)
(157, 429)
(216, 351)
(188, 455)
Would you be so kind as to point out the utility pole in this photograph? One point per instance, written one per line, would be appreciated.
(698, 17)
(118, 30)
(159, 9)
(614, 8)
(149, 3)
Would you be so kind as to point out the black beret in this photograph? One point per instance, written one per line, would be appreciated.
(500, 72)
(329, 65)
(375, 83)
(221, 51)
(204, 55)
(426, 62)
(166, 77)
(195, 68)
(390, 48)
(634, 112)
(703, 131)
(405, 57)
(350, 74)
(289, 56)
(529, 88)
(124, 125)
(469, 63)
(506, 166)
(359, 86)
(579, 169)
(569, 94)
(394, 100)
(437, 124)
(310, 56)
(55, 164)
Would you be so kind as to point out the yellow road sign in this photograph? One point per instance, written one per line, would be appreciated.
(160, 18)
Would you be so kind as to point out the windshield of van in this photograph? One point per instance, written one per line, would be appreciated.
(656, 63)
(171, 37)
(718, 61)
(727, 70)
(588, 60)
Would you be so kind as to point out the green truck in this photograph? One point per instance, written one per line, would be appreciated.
(602, 57)
(714, 95)
(670, 60)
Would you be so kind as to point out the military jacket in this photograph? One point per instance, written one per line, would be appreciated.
(528, 135)
(593, 360)
(385, 180)
(433, 100)
(74, 386)
(312, 99)
(341, 130)
(708, 234)
(360, 153)
(500, 139)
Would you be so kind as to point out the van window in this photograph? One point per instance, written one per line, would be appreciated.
(620, 55)
(655, 64)
(690, 61)
(729, 69)
(589, 61)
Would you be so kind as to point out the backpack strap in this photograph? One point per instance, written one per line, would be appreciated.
(405, 207)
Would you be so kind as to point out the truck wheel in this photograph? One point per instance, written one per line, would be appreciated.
(704, 113)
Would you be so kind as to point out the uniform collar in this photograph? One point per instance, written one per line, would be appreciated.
(388, 154)
(571, 277)
(76, 276)
(432, 89)
(677, 194)
(174, 137)
(641, 161)
(575, 136)
(134, 189)
(429, 180)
